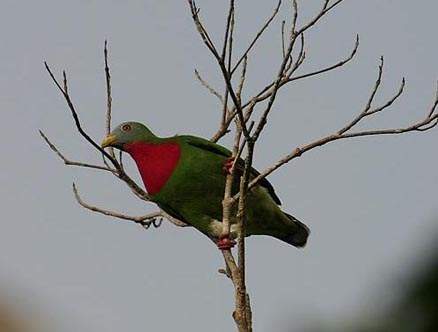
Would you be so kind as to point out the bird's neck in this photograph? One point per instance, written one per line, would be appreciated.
(155, 162)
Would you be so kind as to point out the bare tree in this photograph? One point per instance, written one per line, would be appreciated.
(249, 116)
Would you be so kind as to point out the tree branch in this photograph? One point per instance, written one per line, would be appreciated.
(227, 75)
(427, 123)
(108, 96)
(73, 163)
(208, 87)
(64, 92)
(325, 9)
(120, 172)
(256, 38)
(329, 68)
(145, 221)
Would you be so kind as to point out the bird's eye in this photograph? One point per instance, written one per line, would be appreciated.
(126, 127)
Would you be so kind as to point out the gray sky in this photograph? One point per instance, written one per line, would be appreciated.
(370, 203)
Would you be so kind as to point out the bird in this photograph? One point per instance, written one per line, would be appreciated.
(185, 176)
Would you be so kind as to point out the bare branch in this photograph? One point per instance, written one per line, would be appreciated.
(242, 79)
(242, 146)
(324, 10)
(225, 72)
(390, 101)
(243, 305)
(266, 92)
(435, 104)
(291, 67)
(276, 86)
(120, 173)
(425, 128)
(283, 47)
(64, 91)
(222, 131)
(121, 160)
(294, 18)
(227, 205)
(229, 27)
(429, 122)
(226, 111)
(144, 221)
(326, 69)
(369, 102)
(73, 163)
(208, 87)
(108, 96)
(258, 35)
(228, 116)
(202, 31)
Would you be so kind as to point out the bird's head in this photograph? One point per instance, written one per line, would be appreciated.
(127, 133)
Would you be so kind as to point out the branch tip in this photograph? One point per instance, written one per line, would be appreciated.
(145, 221)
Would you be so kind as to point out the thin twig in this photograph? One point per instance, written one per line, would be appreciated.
(73, 163)
(228, 30)
(242, 305)
(136, 189)
(225, 72)
(258, 35)
(64, 92)
(435, 104)
(325, 9)
(294, 18)
(242, 79)
(227, 206)
(208, 87)
(266, 92)
(121, 160)
(109, 99)
(144, 221)
(365, 111)
(329, 68)
(390, 101)
(283, 49)
(154, 218)
(429, 122)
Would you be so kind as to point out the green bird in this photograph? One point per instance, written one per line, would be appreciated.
(185, 176)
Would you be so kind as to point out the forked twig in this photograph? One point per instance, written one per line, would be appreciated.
(427, 123)
(120, 172)
(256, 38)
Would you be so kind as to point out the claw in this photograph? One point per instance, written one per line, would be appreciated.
(225, 243)
(228, 165)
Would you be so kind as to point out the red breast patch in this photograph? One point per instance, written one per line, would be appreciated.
(155, 162)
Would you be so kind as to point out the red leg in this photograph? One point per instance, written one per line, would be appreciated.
(225, 243)
(228, 165)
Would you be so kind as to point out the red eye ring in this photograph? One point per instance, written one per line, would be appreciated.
(126, 127)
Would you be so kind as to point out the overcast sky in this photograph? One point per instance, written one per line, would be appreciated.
(370, 203)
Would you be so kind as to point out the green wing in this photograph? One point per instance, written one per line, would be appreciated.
(206, 145)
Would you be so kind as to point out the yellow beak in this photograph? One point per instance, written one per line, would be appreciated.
(108, 140)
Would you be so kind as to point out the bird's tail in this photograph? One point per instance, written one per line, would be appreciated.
(298, 236)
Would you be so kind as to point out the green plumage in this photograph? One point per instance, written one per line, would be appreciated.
(195, 189)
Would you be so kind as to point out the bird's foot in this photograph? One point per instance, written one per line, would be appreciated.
(228, 165)
(225, 243)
